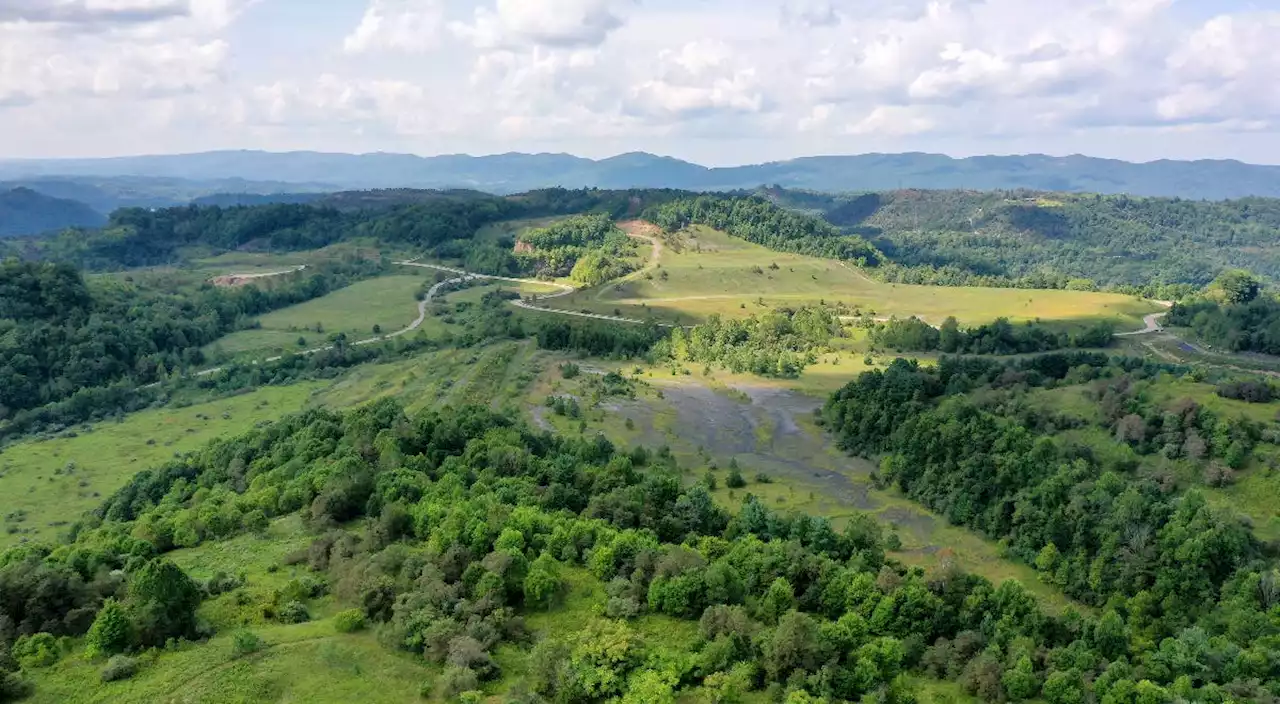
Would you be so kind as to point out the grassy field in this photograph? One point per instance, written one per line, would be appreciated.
(387, 301)
(265, 262)
(46, 484)
(511, 229)
(705, 272)
(496, 375)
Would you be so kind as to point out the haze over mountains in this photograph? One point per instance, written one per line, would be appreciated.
(511, 173)
(86, 186)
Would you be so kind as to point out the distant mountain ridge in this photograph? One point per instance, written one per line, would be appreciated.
(515, 172)
(24, 211)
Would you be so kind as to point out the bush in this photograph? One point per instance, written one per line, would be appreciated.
(569, 370)
(112, 631)
(349, 621)
(119, 667)
(245, 643)
(294, 612)
(456, 680)
(39, 650)
(763, 478)
(735, 480)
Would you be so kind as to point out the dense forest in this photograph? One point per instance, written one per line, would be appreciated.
(1176, 574)
(998, 337)
(470, 521)
(1057, 240)
(67, 339)
(759, 221)
(1253, 326)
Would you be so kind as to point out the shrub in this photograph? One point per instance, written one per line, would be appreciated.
(112, 631)
(735, 480)
(39, 650)
(119, 667)
(763, 478)
(349, 621)
(294, 612)
(245, 643)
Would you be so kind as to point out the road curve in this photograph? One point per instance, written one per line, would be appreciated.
(565, 290)
(1151, 323)
(417, 323)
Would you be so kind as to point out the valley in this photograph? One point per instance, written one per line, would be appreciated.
(383, 446)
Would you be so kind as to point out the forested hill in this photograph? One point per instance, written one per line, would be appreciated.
(26, 212)
(513, 173)
(1110, 240)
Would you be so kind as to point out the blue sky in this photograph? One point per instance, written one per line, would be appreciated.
(715, 81)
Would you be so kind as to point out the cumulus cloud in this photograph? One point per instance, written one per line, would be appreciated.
(91, 11)
(397, 25)
(699, 77)
(823, 73)
(557, 23)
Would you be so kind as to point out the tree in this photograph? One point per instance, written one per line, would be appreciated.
(1064, 688)
(778, 600)
(112, 631)
(1020, 681)
(1237, 286)
(543, 583)
(163, 601)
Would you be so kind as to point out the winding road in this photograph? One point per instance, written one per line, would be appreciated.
(1152, 322)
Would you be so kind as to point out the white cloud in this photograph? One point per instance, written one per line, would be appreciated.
(692, 77)
(397, 25)
(698, 77)
(556, 23)
(892, 120)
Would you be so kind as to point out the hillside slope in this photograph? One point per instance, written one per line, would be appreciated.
(1108, 239)
(512, 173)
(26, 212)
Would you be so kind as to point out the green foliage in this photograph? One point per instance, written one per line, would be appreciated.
(999, 337)
(761, 222)
(1246, 327)
(543, 583)
(1056, 240)
(112, 631)
(780, 343)
(349, 621)
(162, 600)
(36, 650)
(245, 643)
(119, 667)
(293, 612)
(1237, 286)
(71, 350)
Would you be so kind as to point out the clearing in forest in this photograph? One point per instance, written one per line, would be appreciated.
(703, 271)
(50, 483)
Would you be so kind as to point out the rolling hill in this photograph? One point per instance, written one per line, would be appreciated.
(514, 172)
(26, 212)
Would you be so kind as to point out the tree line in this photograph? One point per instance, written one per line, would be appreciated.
(81, 346)
(1186, 582)
(761, 222)
(998, 337)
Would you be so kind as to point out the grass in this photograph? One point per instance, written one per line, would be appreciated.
(387, 301)
(708, 272)
(497, 375)
(512, 229)
(51, 482)
(265, 262)
(308, 662)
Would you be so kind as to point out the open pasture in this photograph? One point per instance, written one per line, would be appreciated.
(705, 272)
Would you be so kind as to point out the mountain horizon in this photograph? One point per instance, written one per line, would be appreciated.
(513, 172)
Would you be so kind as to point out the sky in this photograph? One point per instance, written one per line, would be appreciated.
(719, 82)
